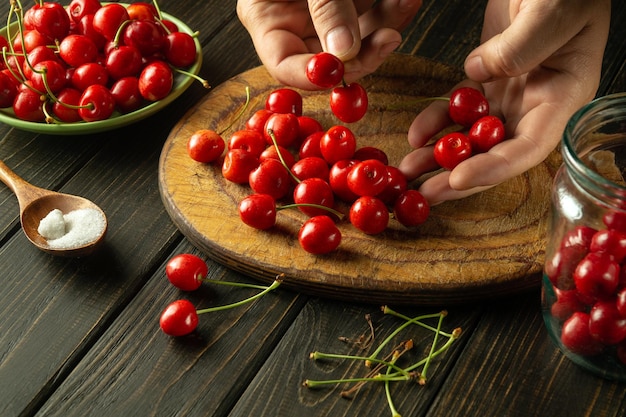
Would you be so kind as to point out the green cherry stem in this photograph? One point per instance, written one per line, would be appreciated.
(271, 134)
(432, 350)
(239, 113)
(339, 214)
(235, 284)
(392, 365)
(267, 289)
(392, 407)
(416, 320)
(204, 82)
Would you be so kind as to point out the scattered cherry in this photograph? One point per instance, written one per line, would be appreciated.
(186, 271)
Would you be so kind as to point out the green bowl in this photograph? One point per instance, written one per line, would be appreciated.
(117, 120)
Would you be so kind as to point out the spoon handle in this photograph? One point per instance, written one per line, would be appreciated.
(24, 191)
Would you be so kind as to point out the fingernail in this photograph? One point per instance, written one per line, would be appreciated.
(388, 48)
(476, 70)
(339, 41)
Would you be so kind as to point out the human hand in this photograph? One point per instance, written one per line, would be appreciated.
(538, 63)
(360, 32)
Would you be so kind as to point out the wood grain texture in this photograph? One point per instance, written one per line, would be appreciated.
(469, 249)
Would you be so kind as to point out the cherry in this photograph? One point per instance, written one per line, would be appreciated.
(65, 108)
(251, 140)
(325, 70)
(89, 74)
(452, 149)
(606, 324)
(238, 164)
(179, 318)
(186, 271)
(610, 241)
(284, 100)
(486, 133)
(51, 20)
(349, 103)
(313, 191)
(396, 185)
(368, 178)
(179, 49)
(36, 55)
(8, 90)
(337, 143)
(145, 35)
(272, 178)
(28, 105)
(156, 81)
(411, 208)
(620, 302)
(48, 76)
(282, 128)
(310, 146)
(310, 167)
(76, 50)
(279, 153)
(308, 126)
(467, 105)
(338, 179)
(567, 303)
(579, 236)
(597, 275)
(126, 94)
(371, 152)
(560, 267)
(97, 103)
(123, 61)
(85, 27)
(258, 211)
(319, 235)
(615, 220)
(369, 214)
(78, 9)
(257, 120)
(142, 10)
(206, 146)
(576, 337)
(108, 18)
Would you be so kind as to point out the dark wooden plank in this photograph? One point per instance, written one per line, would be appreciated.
(510, 367)
(278, 389)
(135, 369)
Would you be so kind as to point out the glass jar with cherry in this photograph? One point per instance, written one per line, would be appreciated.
(584, 279)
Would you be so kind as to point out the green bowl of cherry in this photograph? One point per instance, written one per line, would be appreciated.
(92, 67)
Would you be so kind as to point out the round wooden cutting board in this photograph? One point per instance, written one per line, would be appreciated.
(487, 245)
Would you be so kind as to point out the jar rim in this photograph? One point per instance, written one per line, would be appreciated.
(568, 150)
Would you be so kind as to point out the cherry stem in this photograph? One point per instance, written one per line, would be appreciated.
(270, 132)
(267, 289)
(239, 114)
(204, 82)
(295, 205)
(392, 407)
(233, 284)
(158, 9)
(320, 356)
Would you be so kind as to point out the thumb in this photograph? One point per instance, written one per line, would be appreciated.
(337, 26)
(532, 37)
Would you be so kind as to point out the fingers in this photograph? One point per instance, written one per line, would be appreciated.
(536, 32)
(337, 26)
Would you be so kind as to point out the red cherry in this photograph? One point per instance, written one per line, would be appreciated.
(567, 303)
(28, 106)
(156, 81)
(308, 126)
(486, 133)
(579, 236)
(310, 146)
(349, 102)
(78, 9)
(258, 211)
(606, 325)
(76, 50)
(559, 268)
(85, 27)
(48, 76)
(284, 100)
(368, 178)
(142, 10)
(284, 128)
(8, 90)
(272, 152)
(97, 103)
(620, 302)
(145, 35)
(257, 120)
(180, 49)
(319, 235)
(238, 164)
(610, 241)
(615, 220)
(467, 105)
(186, 271)
(452, 149)
(89, 74)
(250, 140)
(311, 167)
(371, 152)
(576, 337)
(411, 208)
(67, 114)
(369, 214)
(123, 61)
(205, 146)
(597, 275)
(179, 318)
(51, 20)
(313, 191)
(272, 178)
(126, 94)
(337, 143)
(338, 179)
(109, 18)
(325, 70)
(396, 185)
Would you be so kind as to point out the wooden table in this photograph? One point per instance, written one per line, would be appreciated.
(80, 337)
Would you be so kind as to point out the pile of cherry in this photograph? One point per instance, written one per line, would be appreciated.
(289, 160)
(84, 62)
(588, 275)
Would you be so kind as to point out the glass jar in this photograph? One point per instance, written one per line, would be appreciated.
(584, 277)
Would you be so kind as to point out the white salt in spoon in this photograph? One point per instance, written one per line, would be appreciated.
(35, 203)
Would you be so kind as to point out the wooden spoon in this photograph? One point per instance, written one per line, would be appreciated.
(35, 204)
